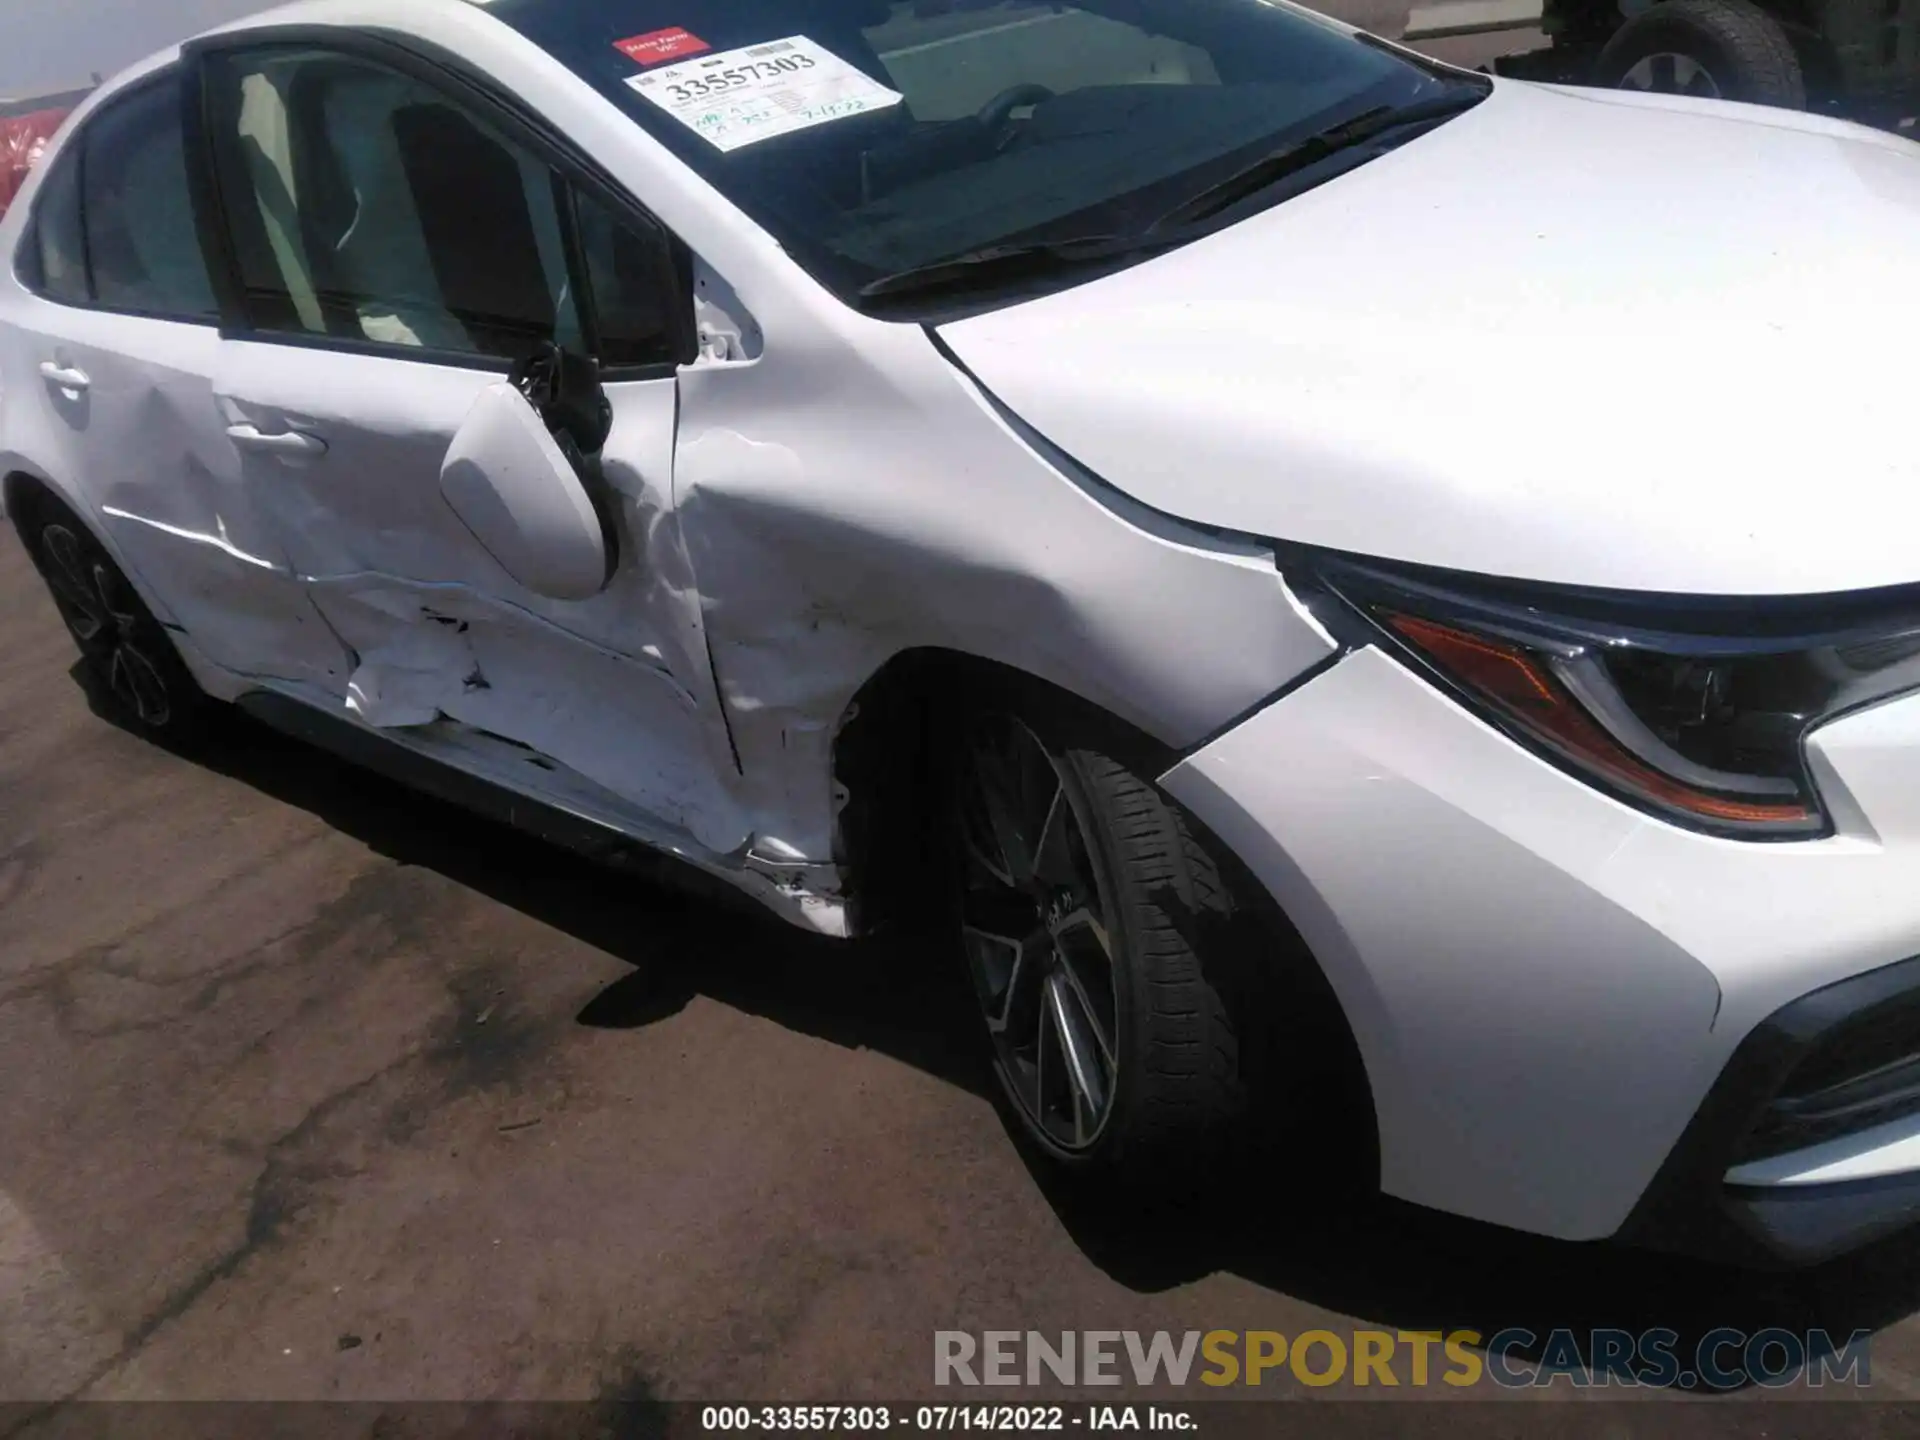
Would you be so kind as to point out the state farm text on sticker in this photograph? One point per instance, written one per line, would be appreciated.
(657, 45)
(754, 93)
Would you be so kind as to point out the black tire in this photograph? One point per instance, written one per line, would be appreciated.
(1178, 1090)
(134, 673)
(1725, 49)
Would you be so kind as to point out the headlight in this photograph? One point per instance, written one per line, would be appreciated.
(1695, 709)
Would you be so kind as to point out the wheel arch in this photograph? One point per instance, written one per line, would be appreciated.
(888, 745)
(888, 758)
(21, 488)
(20, 492)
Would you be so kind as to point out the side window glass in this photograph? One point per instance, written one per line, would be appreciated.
(627, 274)
(364, 205)
(143, 250)
(53, 259)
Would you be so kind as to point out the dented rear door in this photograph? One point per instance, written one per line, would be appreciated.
(114, 397)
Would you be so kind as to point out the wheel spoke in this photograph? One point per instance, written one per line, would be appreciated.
(138, 684)
(111, 597)
(1043, 1025)
(1000, 808)
(1100, 1027)
(1089, 1091)
(1006, 969)
(63, 549)
(67, 578)
(1034, 936)
(1014, 847)
(997, 868)
(1084, 920)
(1053, 853)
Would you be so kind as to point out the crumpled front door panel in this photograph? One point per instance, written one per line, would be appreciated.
(617, 688)
(427, 652)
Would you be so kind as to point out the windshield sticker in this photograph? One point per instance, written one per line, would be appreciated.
(658, 45)
(755, 93)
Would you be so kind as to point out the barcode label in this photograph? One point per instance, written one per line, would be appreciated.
(744, 96)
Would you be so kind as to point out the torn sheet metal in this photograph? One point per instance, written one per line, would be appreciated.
(430, 652)
(403, 680)
(617, 687)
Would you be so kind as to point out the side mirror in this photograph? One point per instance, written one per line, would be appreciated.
(523, 498)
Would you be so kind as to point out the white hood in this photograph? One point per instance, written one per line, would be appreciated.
(1571, 335)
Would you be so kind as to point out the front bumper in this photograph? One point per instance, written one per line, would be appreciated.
(1808, 1144)
(1576, 1019)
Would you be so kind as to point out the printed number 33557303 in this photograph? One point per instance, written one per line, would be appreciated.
(721, 81)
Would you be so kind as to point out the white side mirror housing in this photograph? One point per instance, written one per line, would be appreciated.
(511, 485)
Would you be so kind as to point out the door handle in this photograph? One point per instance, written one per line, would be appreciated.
(290, 444)
(65, 377)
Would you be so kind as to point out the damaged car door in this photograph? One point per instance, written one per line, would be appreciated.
(406, 252)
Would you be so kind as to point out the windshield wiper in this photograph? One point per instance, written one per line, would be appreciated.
(998, 264)
(1003, 263)
(1290, 159)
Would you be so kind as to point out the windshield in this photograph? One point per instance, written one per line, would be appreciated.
(875, 139)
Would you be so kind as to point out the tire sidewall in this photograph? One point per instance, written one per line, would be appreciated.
(1679, 30)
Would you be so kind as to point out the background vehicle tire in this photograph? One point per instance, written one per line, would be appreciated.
(135, 672)
(1717, 49)
(1104, 950)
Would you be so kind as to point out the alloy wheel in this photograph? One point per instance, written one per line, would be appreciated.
(1038, 935)
(105, 619)
(1670, 74)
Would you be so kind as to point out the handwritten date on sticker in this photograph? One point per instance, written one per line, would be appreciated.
(740, 97)
(657, 46)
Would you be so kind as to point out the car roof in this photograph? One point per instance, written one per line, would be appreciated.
(392, 14)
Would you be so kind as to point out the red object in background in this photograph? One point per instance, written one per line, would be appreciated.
(23, 138)
(657, 46)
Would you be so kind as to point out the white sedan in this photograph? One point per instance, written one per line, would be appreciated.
(1362, 593)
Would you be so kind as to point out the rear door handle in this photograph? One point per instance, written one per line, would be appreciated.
(64, 376)
(290, 444)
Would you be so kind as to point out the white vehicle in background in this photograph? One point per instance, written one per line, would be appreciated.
(1331, 568)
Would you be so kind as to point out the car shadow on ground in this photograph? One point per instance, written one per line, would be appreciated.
(1382, 1262)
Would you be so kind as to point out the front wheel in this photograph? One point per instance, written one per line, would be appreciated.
(1098, 935)
(1713, 49)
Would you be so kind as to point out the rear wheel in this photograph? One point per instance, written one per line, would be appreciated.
(1098, 933)
(1712, 49)
(136, 672)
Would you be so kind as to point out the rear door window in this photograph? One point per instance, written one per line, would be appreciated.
(54, 259)
(142, 249)
(113, 225)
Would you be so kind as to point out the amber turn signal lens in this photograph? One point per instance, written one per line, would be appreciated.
(1520, 685)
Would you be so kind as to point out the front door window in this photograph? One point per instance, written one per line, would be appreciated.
(366, 206)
